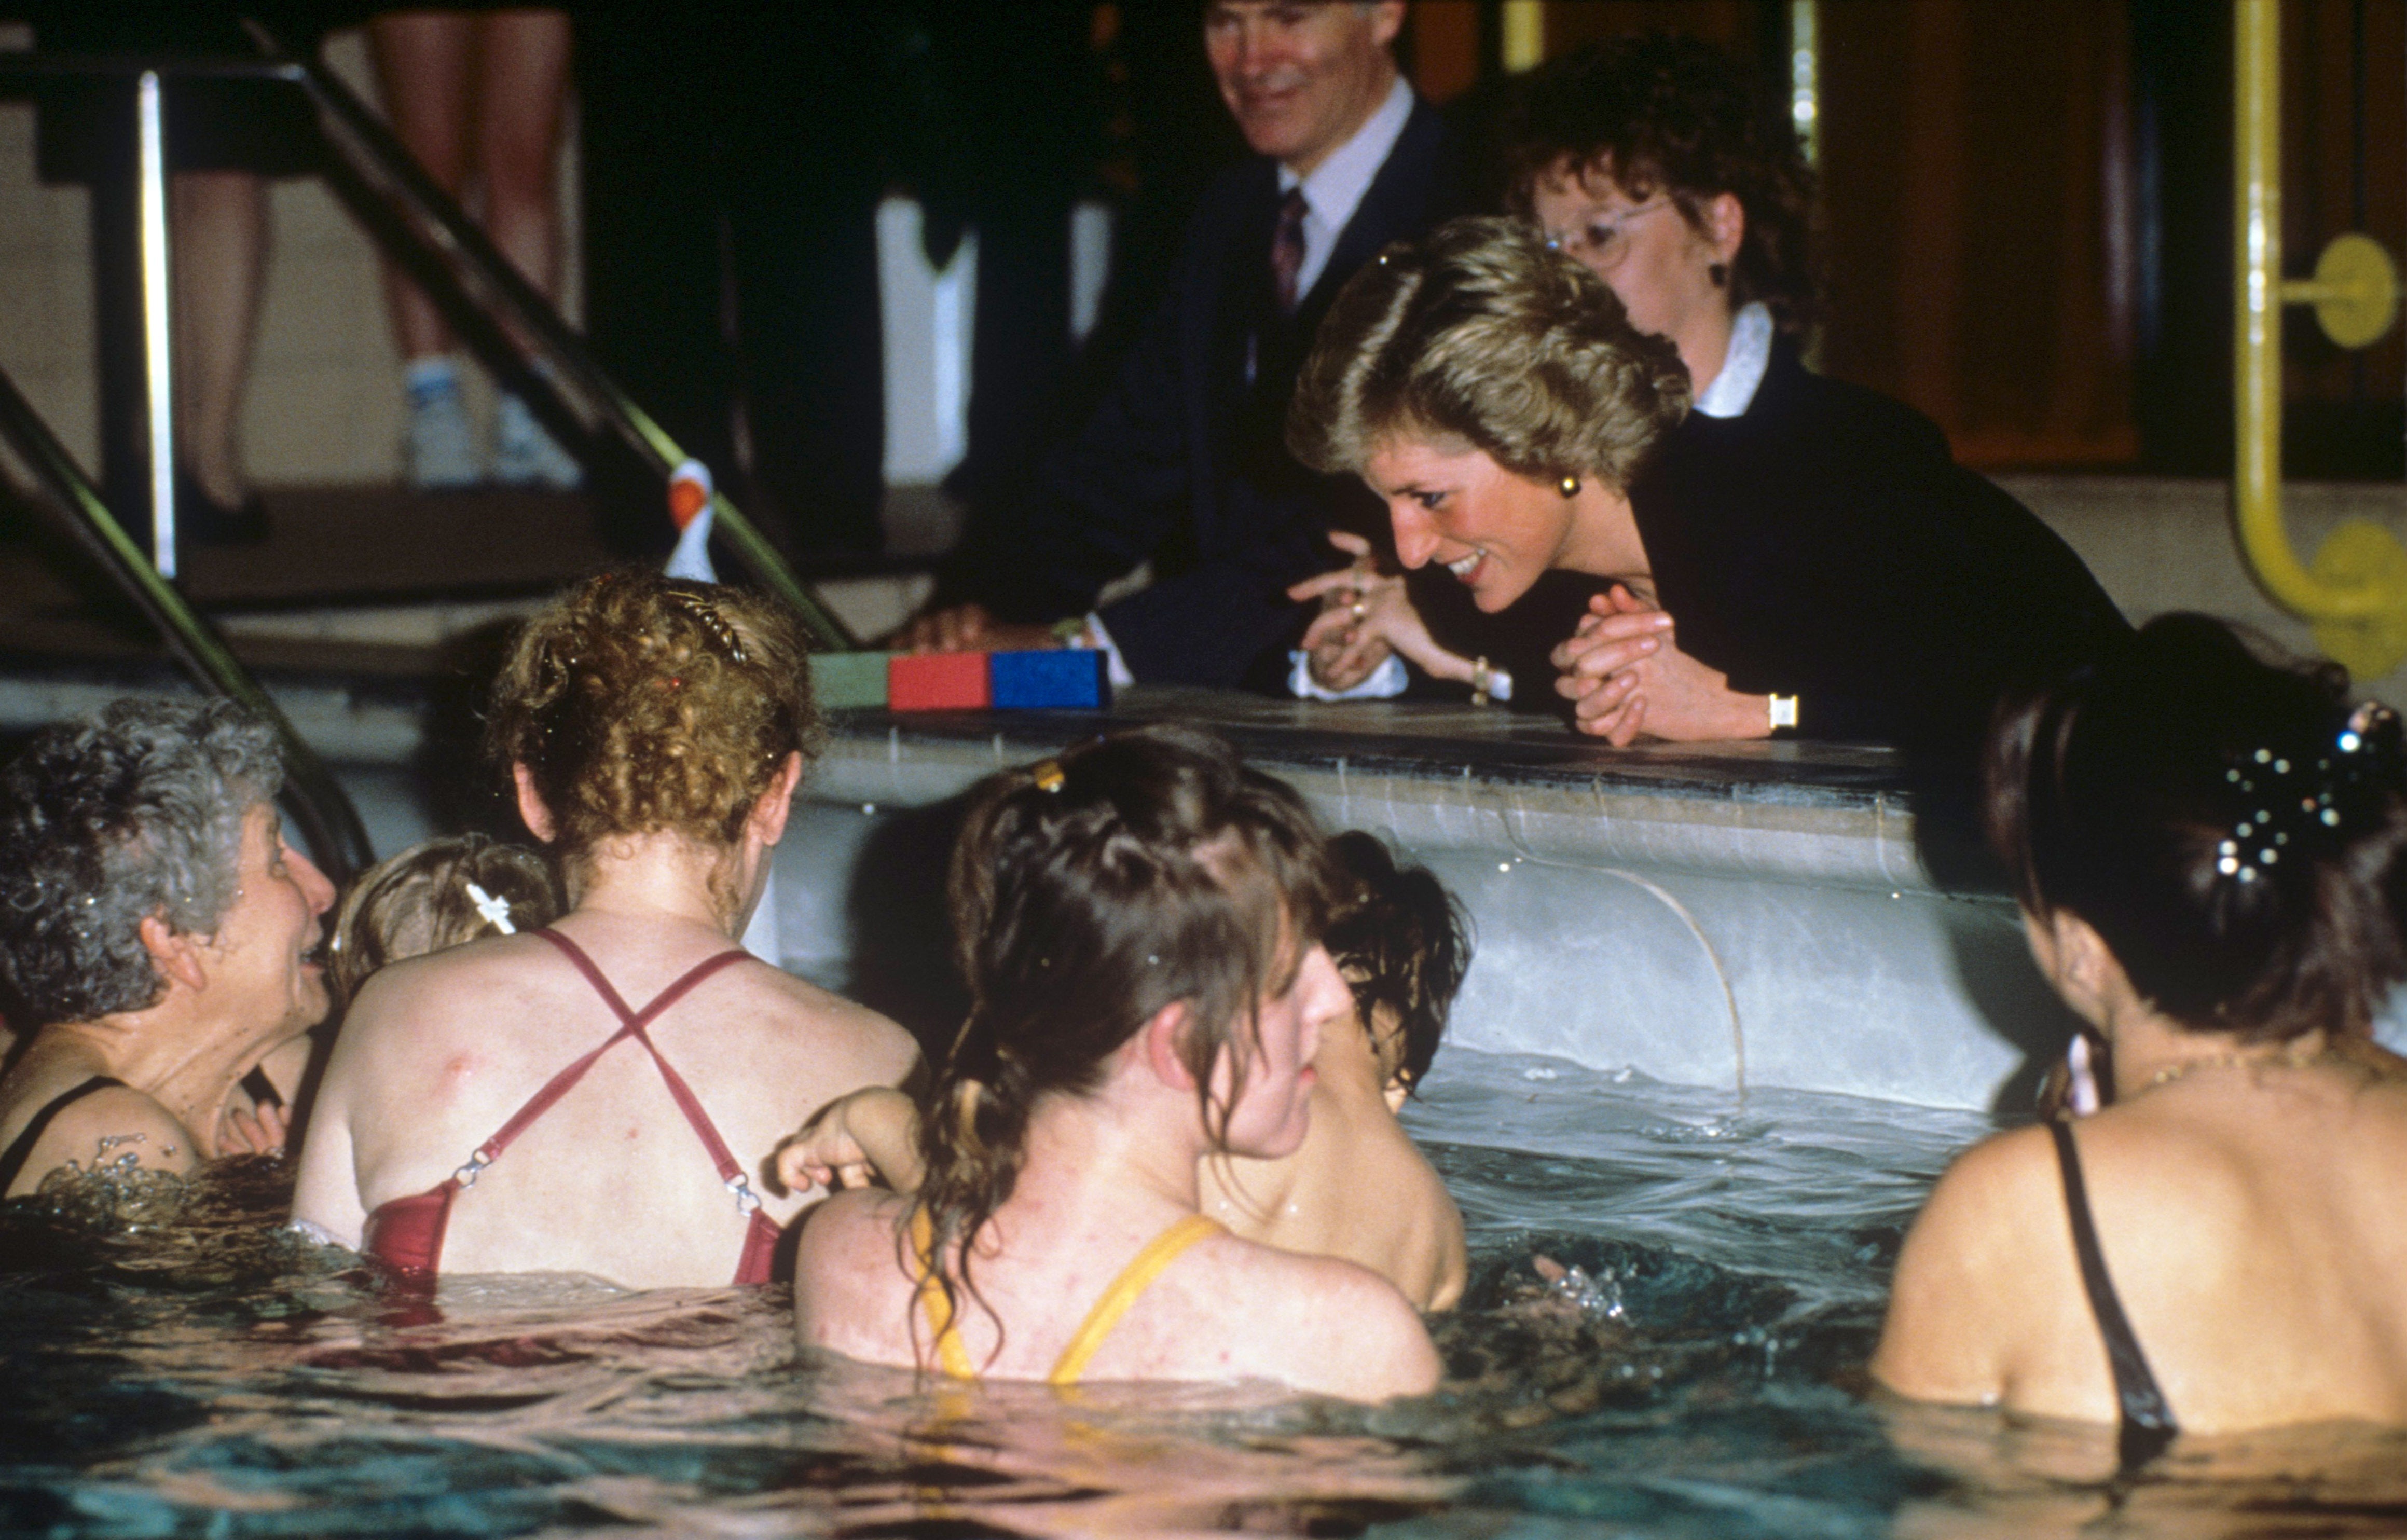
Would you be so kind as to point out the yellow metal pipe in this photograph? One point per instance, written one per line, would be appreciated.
(2259, 293)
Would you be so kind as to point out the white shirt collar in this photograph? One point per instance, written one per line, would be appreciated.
(1335, 188)
(1750, 351)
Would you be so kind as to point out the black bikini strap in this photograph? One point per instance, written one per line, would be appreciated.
(2147, 1425)
(20, 1152)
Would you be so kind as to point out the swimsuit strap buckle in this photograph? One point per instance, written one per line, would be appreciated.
(466, 1174)
(746, 1201)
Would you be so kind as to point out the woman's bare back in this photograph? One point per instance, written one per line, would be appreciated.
(440, 1052)
(2253, 1224)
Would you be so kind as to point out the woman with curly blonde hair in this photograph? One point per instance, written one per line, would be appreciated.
(482, 1111)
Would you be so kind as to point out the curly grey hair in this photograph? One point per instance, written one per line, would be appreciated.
(1477, 331)
(134, 811)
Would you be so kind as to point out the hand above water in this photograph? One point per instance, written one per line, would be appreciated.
(867, 1136)
(1624, 670)
(257, 1130)
(1366, 614)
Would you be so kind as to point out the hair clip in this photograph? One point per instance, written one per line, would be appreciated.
(1047, 775)
(705, 615)
(494, 911)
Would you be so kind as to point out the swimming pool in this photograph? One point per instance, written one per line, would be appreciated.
(212, 1377)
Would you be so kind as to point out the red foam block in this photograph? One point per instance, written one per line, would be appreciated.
(936, 681)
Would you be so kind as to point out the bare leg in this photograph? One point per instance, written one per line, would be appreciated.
(522, 76)
(221, 250)
(422, 62)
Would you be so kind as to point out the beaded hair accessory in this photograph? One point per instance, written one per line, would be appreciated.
(1047, 775)
(2298, 803)
(703, 613)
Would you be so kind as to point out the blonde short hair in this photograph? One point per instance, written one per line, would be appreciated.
(1479, 332)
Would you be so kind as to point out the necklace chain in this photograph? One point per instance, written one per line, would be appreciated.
(2288, 1059)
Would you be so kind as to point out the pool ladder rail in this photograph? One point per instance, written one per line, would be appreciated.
(2354, 593)
(423, 229)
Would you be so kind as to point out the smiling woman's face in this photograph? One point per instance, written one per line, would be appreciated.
(1452, 504)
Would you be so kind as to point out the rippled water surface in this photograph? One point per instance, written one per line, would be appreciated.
(1695, 1372)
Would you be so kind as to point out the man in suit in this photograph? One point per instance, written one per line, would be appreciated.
(1183, 463)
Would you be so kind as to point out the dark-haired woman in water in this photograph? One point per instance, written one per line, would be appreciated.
(1139, 924)
(2212, 858)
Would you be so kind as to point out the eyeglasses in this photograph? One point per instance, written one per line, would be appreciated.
(1601, 242)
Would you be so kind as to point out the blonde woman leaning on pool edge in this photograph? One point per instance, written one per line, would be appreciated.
(483, 1110)
(2212, 856)
(1146, 986)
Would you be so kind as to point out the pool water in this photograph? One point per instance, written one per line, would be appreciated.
(1694, 1371)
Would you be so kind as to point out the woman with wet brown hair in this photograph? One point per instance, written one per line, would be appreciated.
(1140, 925)
(482, 1111)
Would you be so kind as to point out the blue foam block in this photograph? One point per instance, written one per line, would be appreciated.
(1063, 677)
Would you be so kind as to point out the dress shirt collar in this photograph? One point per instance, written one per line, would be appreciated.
(1335, 188)
(1750, 351)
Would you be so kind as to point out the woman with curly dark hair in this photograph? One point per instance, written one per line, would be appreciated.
(1856, 575)
(482, 1111)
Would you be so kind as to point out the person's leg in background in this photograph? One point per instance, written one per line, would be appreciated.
(219, 244)
(423, 61)
(523, 59)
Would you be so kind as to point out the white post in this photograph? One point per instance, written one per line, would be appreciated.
(155, 343)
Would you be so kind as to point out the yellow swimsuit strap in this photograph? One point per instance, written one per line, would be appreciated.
(1134, 1279)
(949, 1350)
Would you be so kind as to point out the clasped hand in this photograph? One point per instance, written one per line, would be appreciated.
(1626, 675)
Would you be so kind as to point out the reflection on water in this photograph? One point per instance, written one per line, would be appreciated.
(1685, 1361)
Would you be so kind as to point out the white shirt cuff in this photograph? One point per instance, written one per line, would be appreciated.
(1387, 680)
(1116, 665)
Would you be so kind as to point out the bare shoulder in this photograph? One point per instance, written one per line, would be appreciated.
(845, 1269)
(116, 1125)
(1337, 1328)
(835, 1022)
(1953, 1301)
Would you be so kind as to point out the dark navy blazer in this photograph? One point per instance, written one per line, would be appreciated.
(1825, 544)
(1185, 461)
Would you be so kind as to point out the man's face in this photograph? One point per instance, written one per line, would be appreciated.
(260, 952)
(1300, 77)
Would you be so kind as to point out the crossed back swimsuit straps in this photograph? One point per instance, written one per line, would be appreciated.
(12, 1161)
(406, 1233)
(1124, 1290)
(2146, 1424)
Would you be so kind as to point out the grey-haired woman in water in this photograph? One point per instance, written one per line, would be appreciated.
(2212, 858)
(157, 939)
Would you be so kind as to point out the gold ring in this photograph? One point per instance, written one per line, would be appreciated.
(1359, 610)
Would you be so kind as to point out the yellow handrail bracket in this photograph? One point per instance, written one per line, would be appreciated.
(2355, 592)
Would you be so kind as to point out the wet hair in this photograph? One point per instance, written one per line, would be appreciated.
(1141, 870)
(1402, 942)
(1477, 331)
(1662, 112)
(132, 812)
(640, 704)
(418, 902)
(2232, 830)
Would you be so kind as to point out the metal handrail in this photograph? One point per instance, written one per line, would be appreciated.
(461, 242)
(329, 824)
(2357, 590)
(449, 244)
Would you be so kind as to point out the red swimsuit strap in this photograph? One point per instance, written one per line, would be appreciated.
(633, 1023)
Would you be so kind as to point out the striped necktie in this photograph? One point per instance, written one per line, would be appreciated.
(1287, 249)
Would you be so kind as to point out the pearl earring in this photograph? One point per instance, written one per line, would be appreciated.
(1570, 485)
